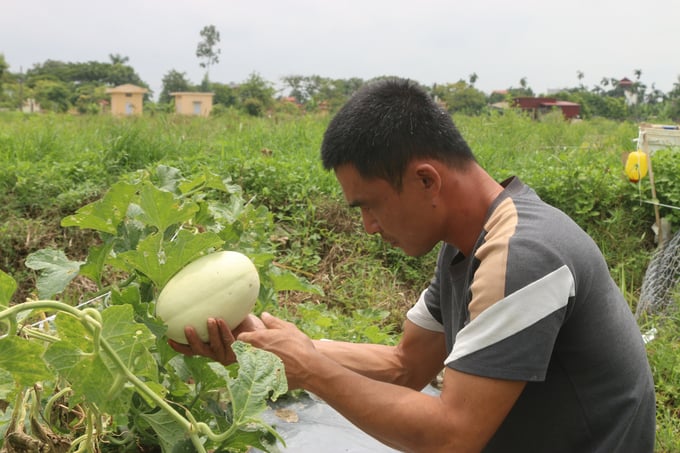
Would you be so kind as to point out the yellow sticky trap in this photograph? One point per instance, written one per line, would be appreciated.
(636, 166)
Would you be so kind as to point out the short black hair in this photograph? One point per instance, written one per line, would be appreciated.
(385, 125)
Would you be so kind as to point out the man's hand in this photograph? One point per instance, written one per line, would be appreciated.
(283, 338)
(220, 339)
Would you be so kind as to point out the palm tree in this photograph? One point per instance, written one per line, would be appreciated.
(118, 58)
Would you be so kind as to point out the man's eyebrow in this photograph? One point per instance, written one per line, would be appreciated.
(355, 203)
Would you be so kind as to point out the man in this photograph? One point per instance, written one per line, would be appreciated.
(540, 351)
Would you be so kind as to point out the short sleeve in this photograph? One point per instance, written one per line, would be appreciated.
(420, 315)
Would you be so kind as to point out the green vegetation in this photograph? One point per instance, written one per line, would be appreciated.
(81, 87)
(664, 357)
(112, 364)
(259, 188)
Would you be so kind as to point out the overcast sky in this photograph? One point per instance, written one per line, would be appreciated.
(432, 41)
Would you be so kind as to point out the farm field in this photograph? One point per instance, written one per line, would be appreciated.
(256, 185)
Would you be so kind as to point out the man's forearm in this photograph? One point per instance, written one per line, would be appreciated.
(414, 362)
(379, 362)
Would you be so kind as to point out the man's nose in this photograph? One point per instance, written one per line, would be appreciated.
(370, 223)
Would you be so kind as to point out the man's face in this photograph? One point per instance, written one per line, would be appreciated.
(404, 219)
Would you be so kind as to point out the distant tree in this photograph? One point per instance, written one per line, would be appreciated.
(655, 95)
(256, 94)
(473, 78)
(207, 49)
(322, 91)
(173, 81)
(675, 92)
(615, 108)
(673, 107)
(523, 91)
(460, 97)
(295, 84)
(652, 104)
(316, 91)
(224, 94)
(4, 68)
(342, 90)
(205, 84)
(596, 104)
(4, 73)
(499, 96)
(117, 58)
(119, 74)
(52, 95)
(349, 86)
(111, 74)
(88, 98)
(580, 76)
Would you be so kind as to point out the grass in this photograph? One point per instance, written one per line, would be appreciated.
(52, 164)
(664, 358)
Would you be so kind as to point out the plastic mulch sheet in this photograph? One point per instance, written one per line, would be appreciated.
(308, 425)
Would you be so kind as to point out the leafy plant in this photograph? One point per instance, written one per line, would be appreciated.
(664, 358)
(666, 171)
(367, 325)
(102, 377)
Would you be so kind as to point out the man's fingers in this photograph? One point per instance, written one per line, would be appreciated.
(272, 322)
(181, 348)
(219, 333)
(220, 338)
(269, 322)
(250, 323)
(196, 345)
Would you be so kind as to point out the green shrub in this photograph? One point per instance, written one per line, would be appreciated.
(664, 357)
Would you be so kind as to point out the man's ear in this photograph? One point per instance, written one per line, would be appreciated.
(429, 177)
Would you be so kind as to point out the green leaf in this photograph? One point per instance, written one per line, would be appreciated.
(162, 209)
(159, 261)
(262, 439)
(284, 280)
(72, 331)
(169, 178)
(7, 385)
(87, 373)
(170, 433)
(7, 288)
(96, 258)
(261, 376)
(23, 360)
(200, 369)
(106, 213)
(130, 340)
(208, 180)
(56, 271)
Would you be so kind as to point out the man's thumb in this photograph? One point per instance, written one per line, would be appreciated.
(271, 321)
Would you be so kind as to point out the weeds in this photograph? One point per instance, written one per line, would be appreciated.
(51, 165)
(664, 357)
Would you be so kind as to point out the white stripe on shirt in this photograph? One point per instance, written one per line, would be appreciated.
(515, 313)
(421, 316)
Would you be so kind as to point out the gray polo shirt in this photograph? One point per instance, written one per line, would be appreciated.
(535, 302)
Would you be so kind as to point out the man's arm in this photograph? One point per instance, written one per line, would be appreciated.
(414, 362)
(462, 419)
